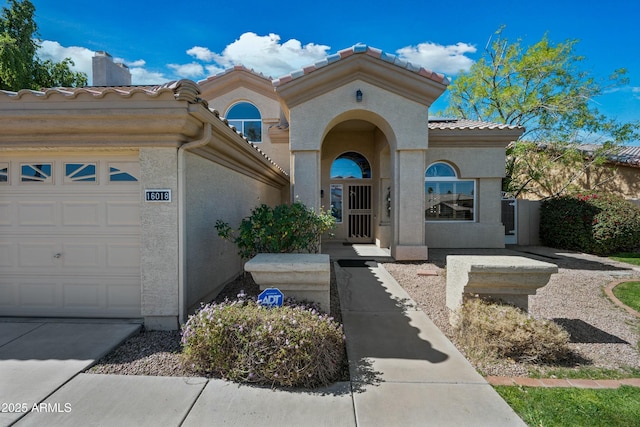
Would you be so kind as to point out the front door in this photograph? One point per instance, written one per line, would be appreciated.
(359, 210)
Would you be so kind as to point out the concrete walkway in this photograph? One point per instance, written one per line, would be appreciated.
(37, 358)
(404, 372)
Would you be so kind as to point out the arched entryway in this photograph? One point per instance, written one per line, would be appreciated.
(356, 183)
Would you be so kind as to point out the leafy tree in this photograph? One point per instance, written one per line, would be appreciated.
(20, 67)
(542, 88)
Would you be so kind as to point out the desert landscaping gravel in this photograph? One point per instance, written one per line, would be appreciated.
(602, 334)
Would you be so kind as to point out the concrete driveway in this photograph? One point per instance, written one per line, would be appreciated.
(39, 357)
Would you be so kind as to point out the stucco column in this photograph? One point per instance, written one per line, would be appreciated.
(159, 243)
(409, 238)
(306, 178)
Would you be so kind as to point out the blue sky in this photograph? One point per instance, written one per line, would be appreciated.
(163, 40)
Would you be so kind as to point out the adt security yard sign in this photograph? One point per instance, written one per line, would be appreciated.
(271, 297)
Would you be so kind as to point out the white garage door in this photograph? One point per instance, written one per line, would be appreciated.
(69, 235)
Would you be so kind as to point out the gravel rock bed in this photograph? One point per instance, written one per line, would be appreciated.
(157, 353)
(603, 334)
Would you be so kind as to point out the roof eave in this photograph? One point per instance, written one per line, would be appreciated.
(386, 75)
(462, 138)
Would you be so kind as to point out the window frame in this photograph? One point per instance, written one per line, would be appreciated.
(450, 180)
(243, 122)
(346, 156)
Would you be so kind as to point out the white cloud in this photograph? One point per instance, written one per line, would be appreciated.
(81, 56)
(142, 76)
(201, 53)
(187, 70)
(449, 59)
(272, 57)
(636, 92)
(213, 69)
(263, 54)
(139, 63)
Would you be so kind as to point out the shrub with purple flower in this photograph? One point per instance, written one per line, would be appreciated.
(292, 346)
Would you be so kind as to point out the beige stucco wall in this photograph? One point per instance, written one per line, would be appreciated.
(269, 109)
(394, 115)
(159, 241)
(486, 166)
(404, 125)
(621, 180)
(481, 162)
(214, 192)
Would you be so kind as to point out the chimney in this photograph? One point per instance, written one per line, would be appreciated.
(108, 73)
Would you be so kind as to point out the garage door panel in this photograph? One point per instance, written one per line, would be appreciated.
(123, 213)
(6, 213)
(124, 298)
(7, 259)
(83, 296)
(69, 236)
(37, 213)
(82, 255)
(67, 296)
(123, 255)
(37, 296)
(38, 254)
(8, 293)
(81, 214)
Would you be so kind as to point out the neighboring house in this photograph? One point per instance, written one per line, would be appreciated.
(108, 195)
(619, 174)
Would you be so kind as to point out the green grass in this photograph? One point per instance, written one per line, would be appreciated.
(629, 294)
(574, 406)
(628, 257)
(589, 373)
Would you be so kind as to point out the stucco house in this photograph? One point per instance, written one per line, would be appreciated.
(619, 174)
(108, 195)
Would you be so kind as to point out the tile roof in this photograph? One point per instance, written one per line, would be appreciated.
(457, 124)
(235, 68)
(366, 50)
(627, 155)
(182, 89)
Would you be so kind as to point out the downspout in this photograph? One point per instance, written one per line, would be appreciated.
(206, 139)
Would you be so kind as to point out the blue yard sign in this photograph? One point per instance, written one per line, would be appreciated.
(271, 297)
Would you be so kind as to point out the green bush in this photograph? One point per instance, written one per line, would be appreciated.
(597, 224)
(290, 346)
(500, 331)
(282, 229)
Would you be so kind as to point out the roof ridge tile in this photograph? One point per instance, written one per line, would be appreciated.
(359, 49)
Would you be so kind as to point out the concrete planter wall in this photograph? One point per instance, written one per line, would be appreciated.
(300, 276)
(508, 278)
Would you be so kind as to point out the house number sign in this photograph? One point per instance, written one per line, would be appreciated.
(159, 195)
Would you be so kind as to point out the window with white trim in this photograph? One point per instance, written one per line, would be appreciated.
(80, 172)
(36, 172)
(245, 117)
(447, 197)
(123, 172)
(4, 172)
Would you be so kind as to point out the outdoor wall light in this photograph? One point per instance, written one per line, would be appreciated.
(358, 95)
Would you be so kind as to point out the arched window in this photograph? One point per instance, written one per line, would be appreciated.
(447, 197)
(347, 166)
(246, 118)
(350, 165)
